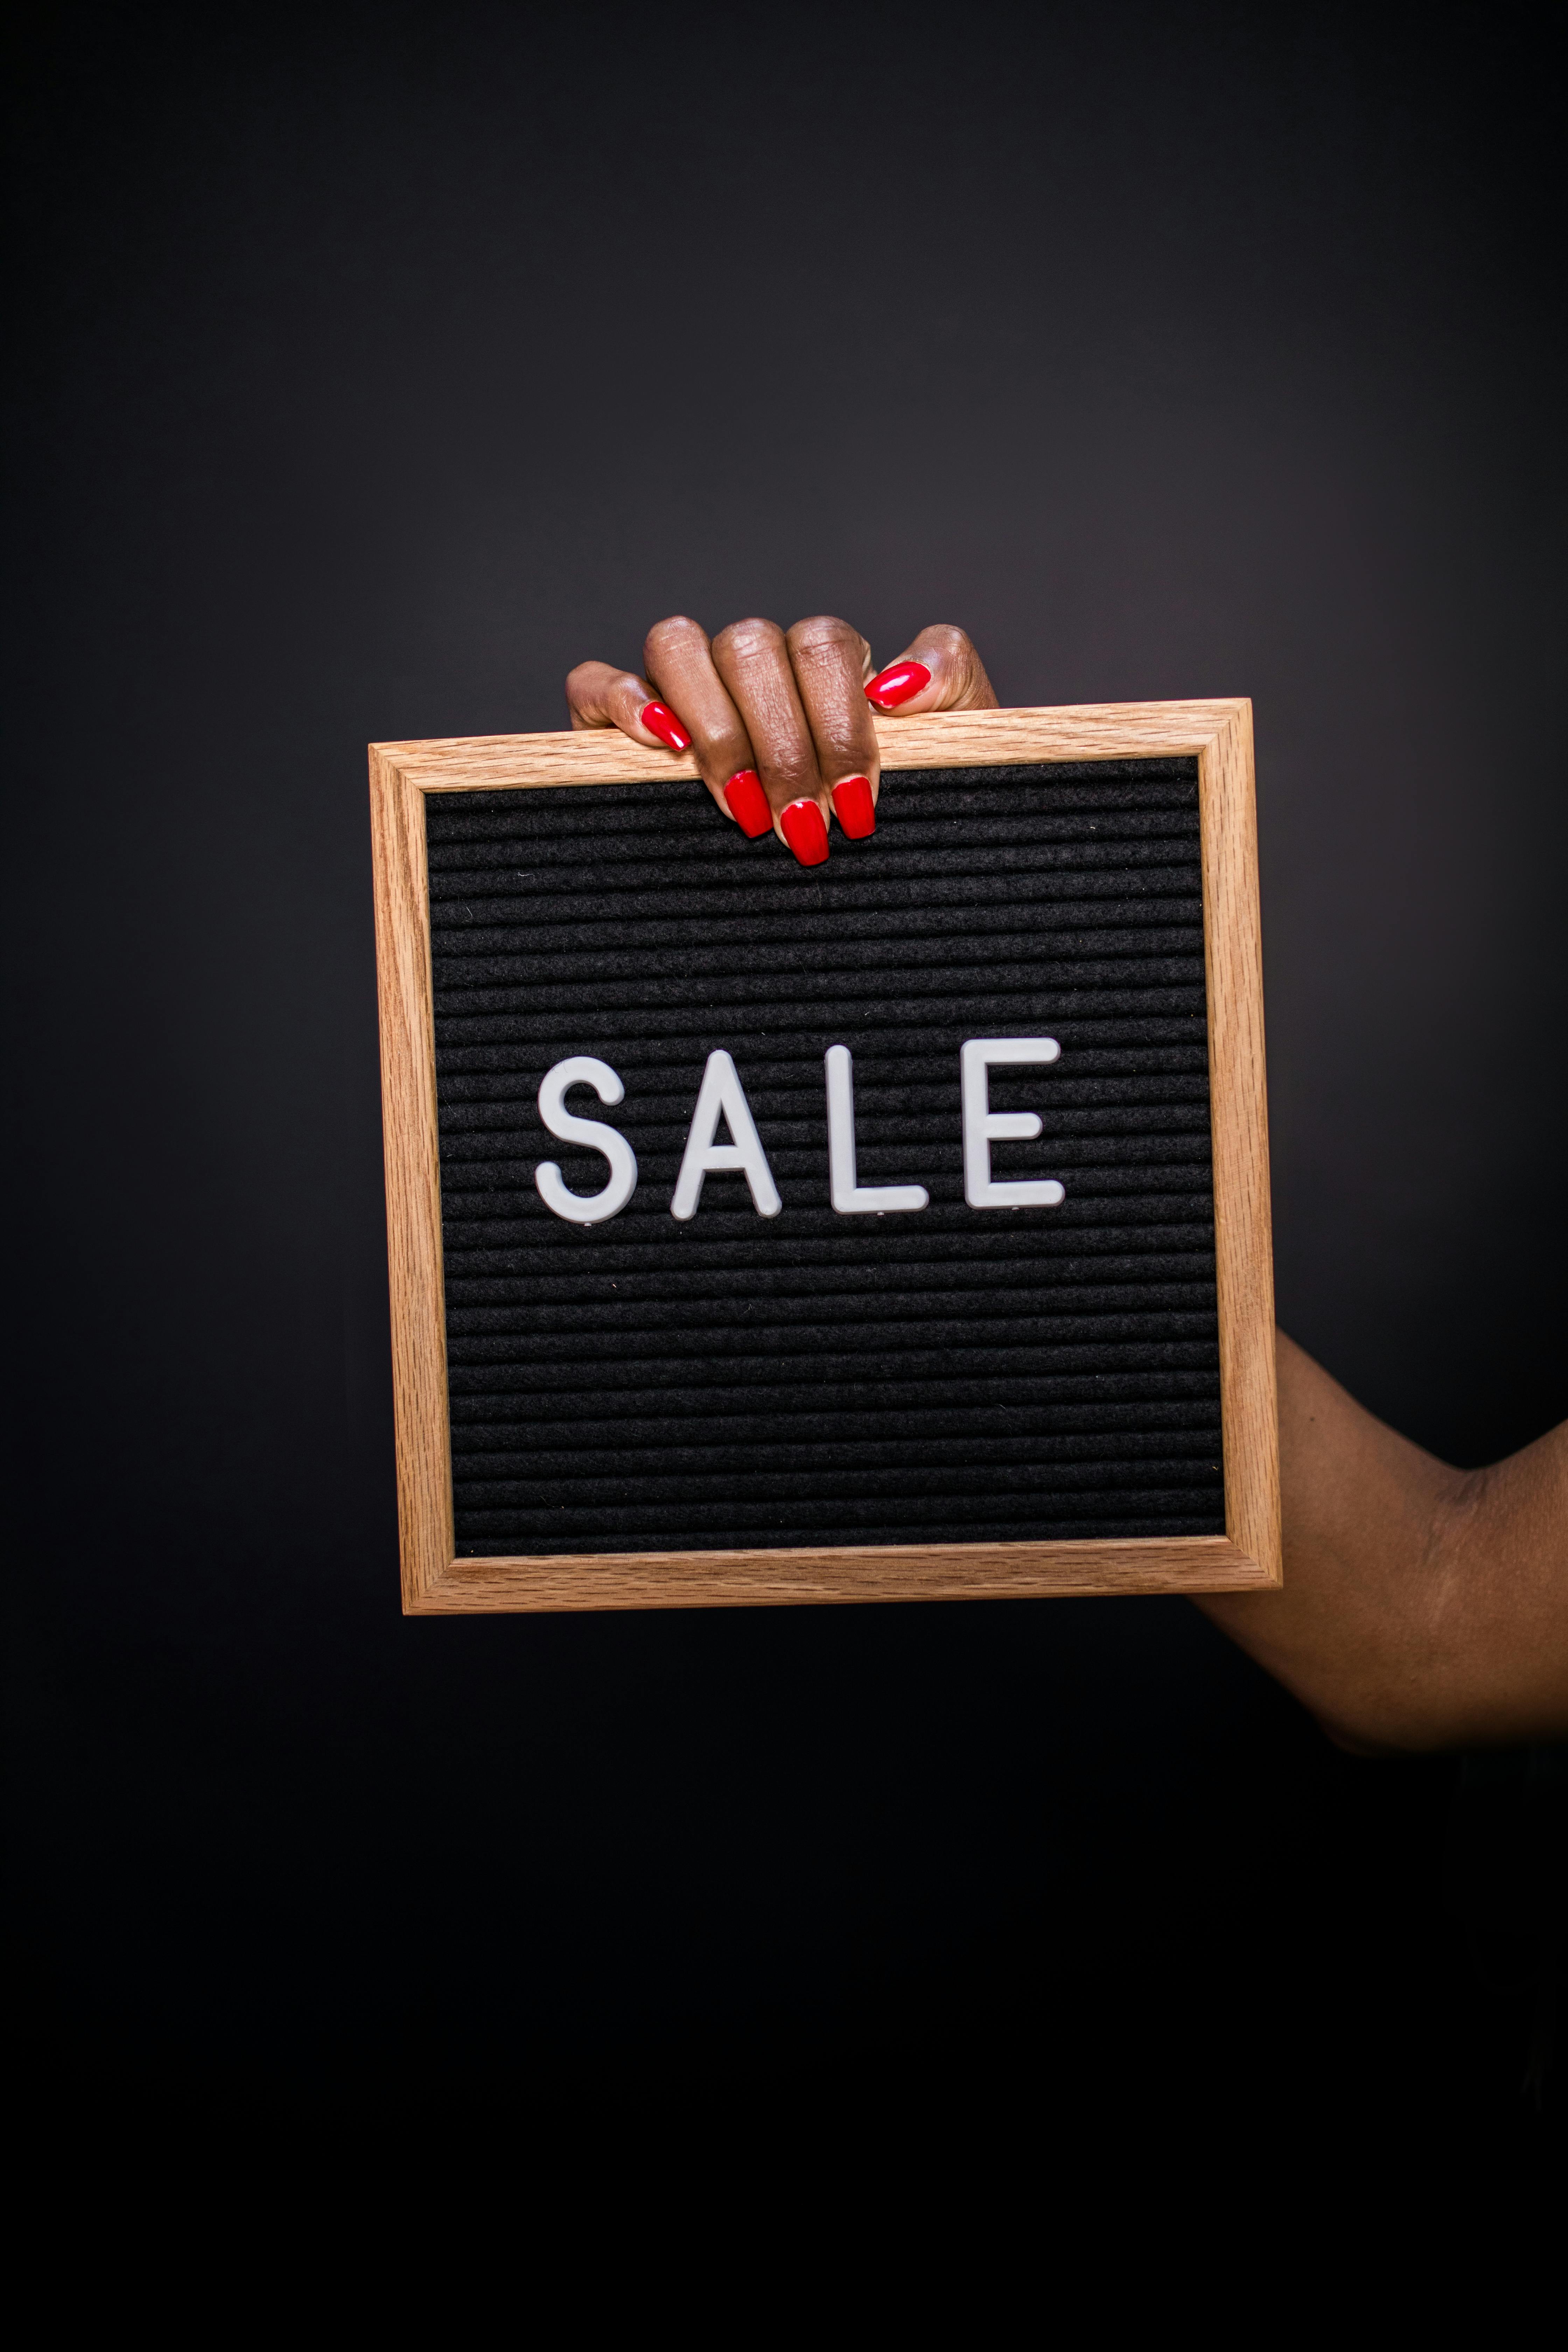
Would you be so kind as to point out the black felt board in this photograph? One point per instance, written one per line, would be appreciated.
(954, 1375)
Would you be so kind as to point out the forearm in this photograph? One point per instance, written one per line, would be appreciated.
(1422, 1607)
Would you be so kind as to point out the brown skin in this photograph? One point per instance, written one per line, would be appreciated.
(1422, 1607)
(788, 703)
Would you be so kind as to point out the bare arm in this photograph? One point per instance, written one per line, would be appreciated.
(1423, 1607)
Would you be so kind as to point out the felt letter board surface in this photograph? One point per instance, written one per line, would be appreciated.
(918, 1243)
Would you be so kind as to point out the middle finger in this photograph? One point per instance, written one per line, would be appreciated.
(831, 662)
(753, 659)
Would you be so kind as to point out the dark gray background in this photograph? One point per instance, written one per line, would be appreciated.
(376, 364)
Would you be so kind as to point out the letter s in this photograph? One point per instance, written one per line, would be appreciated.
(578, 1208)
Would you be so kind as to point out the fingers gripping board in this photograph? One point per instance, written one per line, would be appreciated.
(895, 1229)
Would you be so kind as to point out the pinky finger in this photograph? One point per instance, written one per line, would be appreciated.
(599, 696)
(941, 671)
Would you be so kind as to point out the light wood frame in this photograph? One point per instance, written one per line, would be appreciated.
(435, 1582)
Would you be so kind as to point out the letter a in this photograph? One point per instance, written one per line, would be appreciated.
(722, 1094)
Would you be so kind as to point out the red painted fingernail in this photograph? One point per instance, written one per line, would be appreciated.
(748, 804)
(663, 722)
(855, 808)
(804, 829)
(899, 683)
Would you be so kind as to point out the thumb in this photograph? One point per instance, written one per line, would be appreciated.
(940, 671)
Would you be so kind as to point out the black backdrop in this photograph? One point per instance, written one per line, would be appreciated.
(376, 364)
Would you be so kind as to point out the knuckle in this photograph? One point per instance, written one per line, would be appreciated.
(944, 638)
(821, 634)
(678, 631)
(750, 640)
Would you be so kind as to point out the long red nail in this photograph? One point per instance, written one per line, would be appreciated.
(748, 804)
(804, 829)
(855, 808)
(899, 683)
(662, 721)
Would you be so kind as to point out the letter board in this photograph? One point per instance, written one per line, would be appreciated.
(892, 1229)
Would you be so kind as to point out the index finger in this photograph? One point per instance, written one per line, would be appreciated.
(681, 664)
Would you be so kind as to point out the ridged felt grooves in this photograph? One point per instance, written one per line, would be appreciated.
(953, 1375)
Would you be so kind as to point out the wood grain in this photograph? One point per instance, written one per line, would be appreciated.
(411, 1147)
(1108, 730)
(1238, 1095)
(746, 1579)
(1219, 733)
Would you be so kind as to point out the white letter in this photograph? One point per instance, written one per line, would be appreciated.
(577, 1208)
(983, 1127)
(850, 1198)
(721, 1091)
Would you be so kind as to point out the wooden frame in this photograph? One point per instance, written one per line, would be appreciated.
(435, 1582)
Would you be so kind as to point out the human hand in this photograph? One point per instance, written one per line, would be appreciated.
(780, 721)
